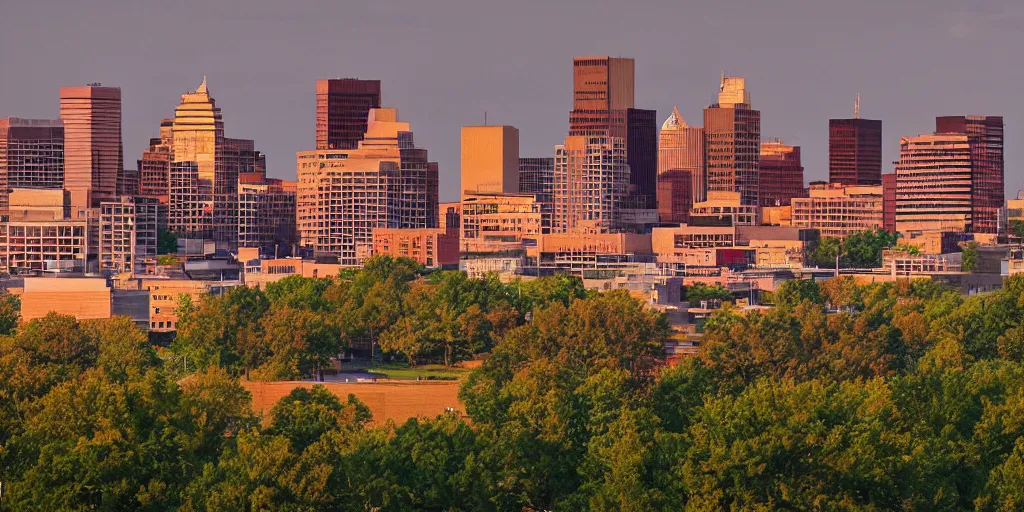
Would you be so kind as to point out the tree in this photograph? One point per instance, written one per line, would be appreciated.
(969, 255)
(698, 292)
(10, 313)
(167, 242)
(1017, 228)
(307, 414)
(793, 292)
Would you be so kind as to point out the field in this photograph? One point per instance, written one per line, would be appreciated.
(392, 400)
(425, 372)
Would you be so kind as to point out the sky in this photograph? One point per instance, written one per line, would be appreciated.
(443, 63)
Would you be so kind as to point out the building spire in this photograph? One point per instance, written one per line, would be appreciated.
(856, 107)
(202, 87)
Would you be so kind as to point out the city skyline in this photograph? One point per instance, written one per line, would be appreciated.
(265, 80)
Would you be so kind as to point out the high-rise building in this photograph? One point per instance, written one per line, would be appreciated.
(855, 151)
(343, 195)
(934, 184)
(203, 194)
(128, 231)
(985, 138)
(154, 168)
(602, 92)
(93, 154)
(342, 107)
(490, 160)
(682, 147)
(781, 177)
(498, 223)
(837, 210)
(128, 182)
(537, 177)
(732, 143)
(39, 234)
(642, 157)
(889, 202)
(31, 155)
(266, 212)
(591, 183)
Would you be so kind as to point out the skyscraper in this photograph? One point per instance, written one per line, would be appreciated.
(602, 92)
(732, 149)
(855, 151)
(343, 195)
(591, 183)
(155, 165)
(93, 155)
(642, 157)
(985, 138)
(266, 212)
(342, 106)
(31, 155)
(603, 106)
(934, 184)
(680, 156)
(781, 177)
(889, 202)
(490, 160)
(203, 195)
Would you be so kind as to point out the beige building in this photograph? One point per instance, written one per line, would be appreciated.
(40, 235)
(93, 152)
(84, 298)
(836, 210)
(490, 160)
(934, 184)
(343, 195)
(766, 247)
(777, 216)
(591, 183)
(725, 205)
(128, 235)
(499, 222)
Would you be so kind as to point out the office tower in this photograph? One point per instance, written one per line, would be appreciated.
(682, 147)
(154, 168)
(675, 195)
(889, 202)
(266, 212)
(128, 182)
(591, 183)
(128, 231)
(203, 193)
(642, 157)
(837, 210)
(781, 177)
(430, 247)
(855, 150)
(342, 106)
(93, 155)
(934, 184)
(490, 159)
(31, 155)
(343, 195)
(602, 92)
(732, 142)
(985, 138)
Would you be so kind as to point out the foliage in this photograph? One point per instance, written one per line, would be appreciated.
(862, 249)
(698, 292)
(10, 313)
(1017, 228)
(166, 259)
(166, 242)
(911, 397)
(969, 256)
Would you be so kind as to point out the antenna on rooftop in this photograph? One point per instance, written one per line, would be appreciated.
(485, 118)
(856, 107)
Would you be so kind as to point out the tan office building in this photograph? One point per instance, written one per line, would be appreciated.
(591, 183)
(490, 160)
(836, 210)
(93, 152)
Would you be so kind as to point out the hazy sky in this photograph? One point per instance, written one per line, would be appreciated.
(444, 62)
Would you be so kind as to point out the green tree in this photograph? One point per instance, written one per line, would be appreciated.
(304, 415)
(10, 313)
(166, 243)
(698, 292)
(969, 257)
(793, 292)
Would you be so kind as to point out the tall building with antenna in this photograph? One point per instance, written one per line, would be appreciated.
(855, 149)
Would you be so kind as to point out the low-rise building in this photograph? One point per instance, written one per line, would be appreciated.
(82, 297)
(725, 205)
(838, 210)
(430, 247)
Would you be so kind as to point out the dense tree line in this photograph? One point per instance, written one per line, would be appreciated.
(911, 398)
(858, 250)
